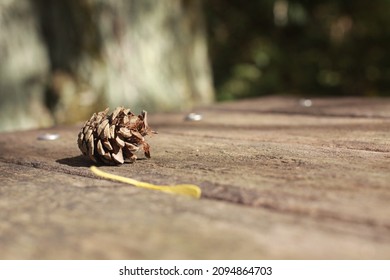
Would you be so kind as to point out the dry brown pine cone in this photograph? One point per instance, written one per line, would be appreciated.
(114, 138)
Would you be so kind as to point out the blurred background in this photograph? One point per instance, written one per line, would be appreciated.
(60, 61)
(305, 47)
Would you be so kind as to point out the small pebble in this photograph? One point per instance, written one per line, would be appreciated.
(193, 117)
(48, 136)
(306, 102)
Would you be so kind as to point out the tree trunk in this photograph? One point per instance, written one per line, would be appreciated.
(143, 54)
(24, 67)
(72, 58)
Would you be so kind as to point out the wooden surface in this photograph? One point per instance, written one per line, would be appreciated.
(279, 181)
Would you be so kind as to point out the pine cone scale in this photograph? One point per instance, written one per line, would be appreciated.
(125, 132)
(118, 157)
(102, 127)
(100, 149)
(107, 144)
(120, 142)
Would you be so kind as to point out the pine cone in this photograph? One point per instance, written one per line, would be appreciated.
(115, 138)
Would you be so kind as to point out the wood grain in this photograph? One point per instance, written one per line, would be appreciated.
(279, 181)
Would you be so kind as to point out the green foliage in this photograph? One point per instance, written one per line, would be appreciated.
(306, 47)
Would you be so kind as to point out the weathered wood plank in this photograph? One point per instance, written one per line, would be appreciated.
(275, 185)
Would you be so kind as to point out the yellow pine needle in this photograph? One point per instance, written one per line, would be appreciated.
(184, 189)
